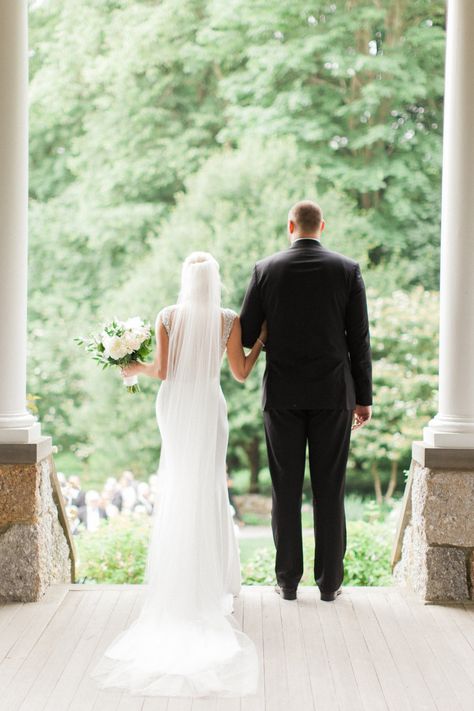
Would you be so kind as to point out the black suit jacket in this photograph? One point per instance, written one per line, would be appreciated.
(318, 352)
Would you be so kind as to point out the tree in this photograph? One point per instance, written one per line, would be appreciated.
(404, 342)
(159, 128)
(359, 85)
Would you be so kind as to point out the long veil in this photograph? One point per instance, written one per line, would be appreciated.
(185, 641)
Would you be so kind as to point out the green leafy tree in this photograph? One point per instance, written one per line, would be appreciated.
(405, 369)
(360, 86)
(159, 128)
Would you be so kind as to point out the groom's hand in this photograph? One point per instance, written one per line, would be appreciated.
(361, 414)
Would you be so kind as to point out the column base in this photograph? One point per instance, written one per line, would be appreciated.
(437, 559)
(20, 435)
(34, 549)
(449, 431)
(438, 438)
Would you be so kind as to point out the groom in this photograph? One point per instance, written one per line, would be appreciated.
(317, 386)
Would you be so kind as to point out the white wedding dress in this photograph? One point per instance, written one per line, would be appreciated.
(185, 641)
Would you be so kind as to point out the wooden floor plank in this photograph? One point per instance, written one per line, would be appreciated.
(319, 671)
(7, 611)
(347, 692)
(253, 627)
(15, 624)
(370, 689)
(16, 628)
(69, 677)
(459, 682)
(77, 688)
(231, 704)
(387, 671)
(45, 692)
(297, 666)
(180, 703)
(20, 644)
(433, 673)
(276, 684)
(25, 622)
(373, 649)
(51, 649)
(130, 703)
(464, 617)
(204, 704)
(155, 703)
(455, 639)
(125, 612)
(42, 611)
(415, 685)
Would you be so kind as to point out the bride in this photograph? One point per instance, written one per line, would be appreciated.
(184, 641)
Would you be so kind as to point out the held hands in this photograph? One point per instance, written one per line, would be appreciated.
(362, 414)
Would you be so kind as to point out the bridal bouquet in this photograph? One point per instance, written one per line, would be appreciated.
(120, 343)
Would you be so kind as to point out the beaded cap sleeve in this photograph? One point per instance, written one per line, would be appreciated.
(165, 314)
(229, 318)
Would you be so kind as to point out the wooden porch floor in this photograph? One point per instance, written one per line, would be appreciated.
(371, 649)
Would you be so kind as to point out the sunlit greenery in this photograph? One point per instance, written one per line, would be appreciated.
(159, 128)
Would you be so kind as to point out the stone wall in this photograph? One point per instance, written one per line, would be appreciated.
(34, 552)
(437, 560)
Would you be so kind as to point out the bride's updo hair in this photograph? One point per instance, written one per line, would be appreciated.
(200, 279)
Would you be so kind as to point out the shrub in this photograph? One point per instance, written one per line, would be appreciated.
(116, 553)
(367, 559)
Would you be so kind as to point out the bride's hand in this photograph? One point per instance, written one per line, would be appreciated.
(263, 332)
(130, 369)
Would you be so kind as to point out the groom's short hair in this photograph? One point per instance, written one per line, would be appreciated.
(307, 215)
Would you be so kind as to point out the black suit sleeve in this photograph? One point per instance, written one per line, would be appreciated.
(358, 338)
(251, 314)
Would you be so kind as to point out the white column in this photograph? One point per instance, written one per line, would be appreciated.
(453, 426)
(16, 423)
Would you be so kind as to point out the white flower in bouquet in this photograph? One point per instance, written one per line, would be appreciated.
(132, 341)
(116, 347)
(134, 323)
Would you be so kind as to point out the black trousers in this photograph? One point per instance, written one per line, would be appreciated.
(327, 433)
